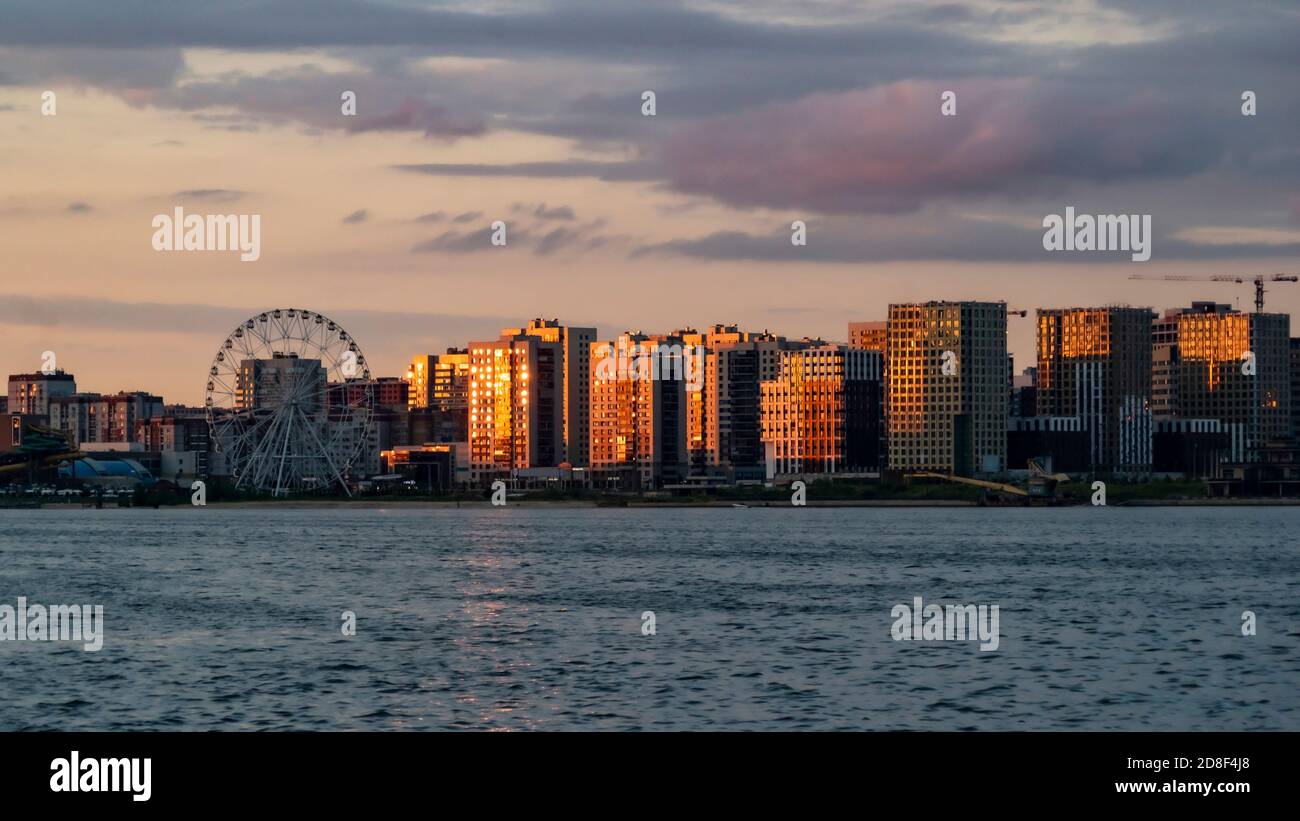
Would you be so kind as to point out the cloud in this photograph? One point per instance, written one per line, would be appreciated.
(890, 150)
(432, 216)
(215, 322)
(418, 115)
(455, 242)
(555, 240)
(210, 194)
(608, 171)
(940, 236)
(541, 243)
(542, 212)
(359, 215)
(80, 207)
(822, 109)
(149, 67)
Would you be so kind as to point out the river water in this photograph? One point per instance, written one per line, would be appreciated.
(531, 617)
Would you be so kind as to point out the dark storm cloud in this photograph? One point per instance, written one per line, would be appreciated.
(653, 31)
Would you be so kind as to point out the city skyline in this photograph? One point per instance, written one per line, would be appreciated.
(618, 220)
(401, 368)
(294, 405)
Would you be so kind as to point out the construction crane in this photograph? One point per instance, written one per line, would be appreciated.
(1258, 280)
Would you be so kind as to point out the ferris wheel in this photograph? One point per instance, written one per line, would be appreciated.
(289, 403)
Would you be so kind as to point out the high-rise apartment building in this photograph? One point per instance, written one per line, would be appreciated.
(1095, 364)
(386, 393)
(822, 414)
(270, 383)
(516, 405)
(77, 415)
(438, 407)
(180, 437)
(1295, 386)
(575, 365)
(419, 375)
(697, 452)
(869, 336)
(97, 418)
(947, 387)
(1214, 362)
(30, 393)
(639, 413)
(874, 336)
(737, 363)
(439, 381)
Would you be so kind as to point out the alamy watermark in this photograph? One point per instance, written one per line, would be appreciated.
(211, 232)
(58, 622)
(647, 361)
(77, 774)
(1104, 232)
(953, 622)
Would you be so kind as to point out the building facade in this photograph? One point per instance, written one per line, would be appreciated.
(639, 424)
(97, 418)
(822, 414)
(737, 363)
(1095, 364)
(575, 366)
(516, 412)
(30, 393)
(869, 336)
(947, 387)
(1214, 362)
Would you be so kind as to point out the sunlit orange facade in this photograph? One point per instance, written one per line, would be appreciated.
(516, 409)
(575, 346)
(736, 365)
(697, 452)
(869, 336)
(1095, 364)
(638, 420)
(1203, 356)
(823, 412)
(419, 375)
(439, 381)
(951, 422)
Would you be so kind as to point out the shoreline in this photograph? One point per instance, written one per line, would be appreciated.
(418, 504)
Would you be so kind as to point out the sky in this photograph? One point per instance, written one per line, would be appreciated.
(530, 113)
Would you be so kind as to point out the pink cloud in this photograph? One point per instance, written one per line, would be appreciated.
(890, 149)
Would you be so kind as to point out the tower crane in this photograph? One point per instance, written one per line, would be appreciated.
(1258, 280)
